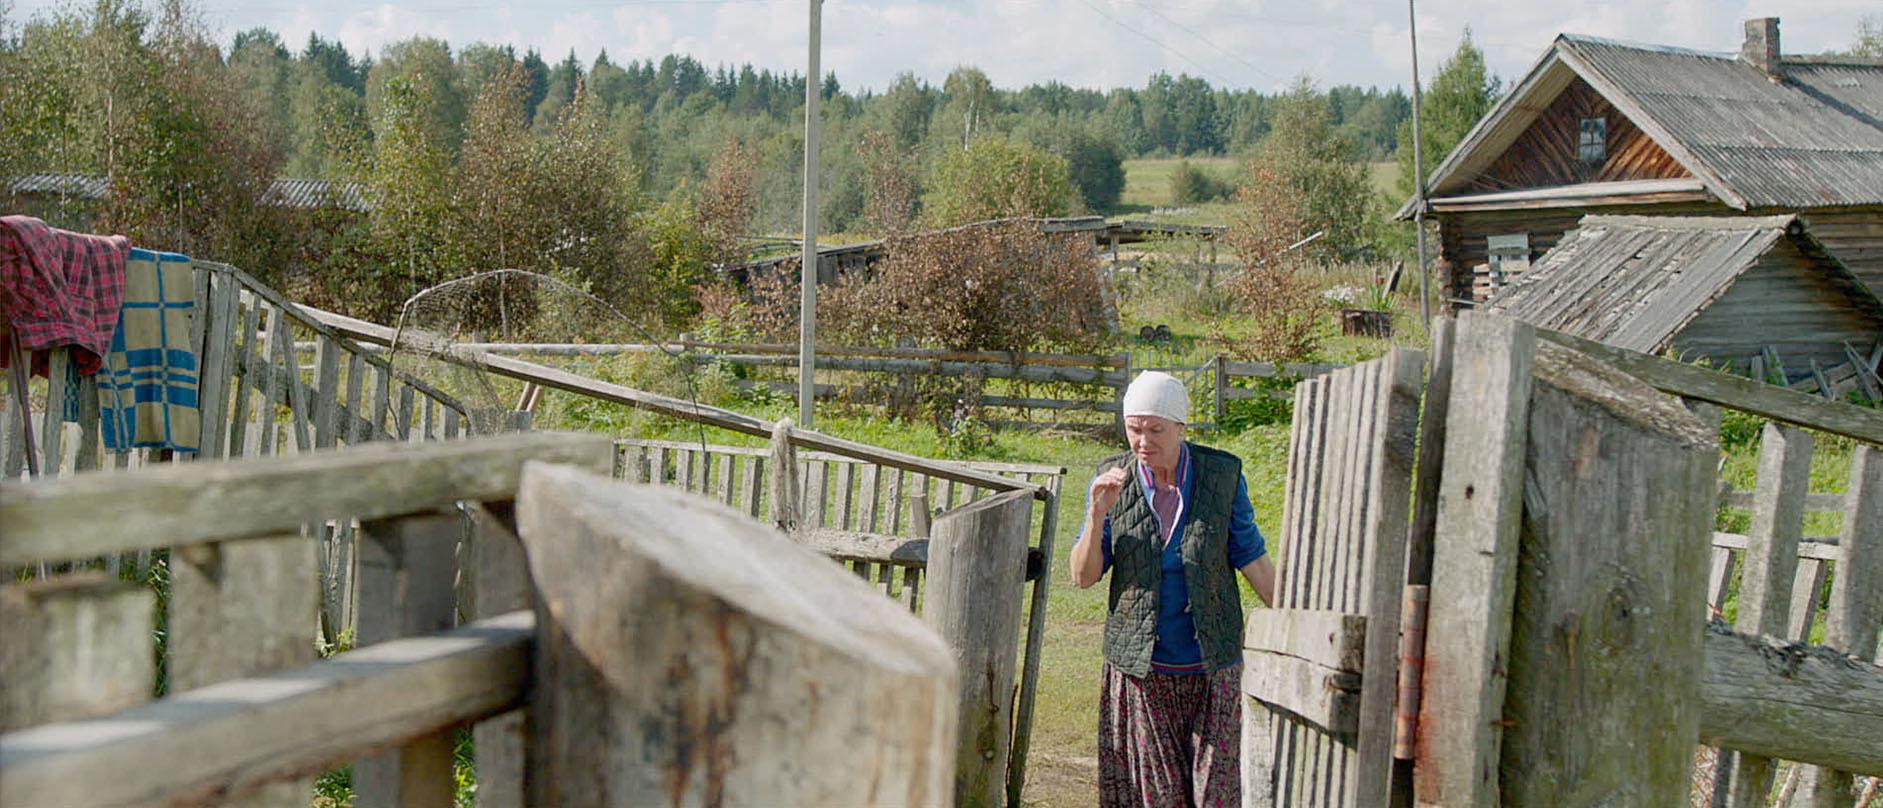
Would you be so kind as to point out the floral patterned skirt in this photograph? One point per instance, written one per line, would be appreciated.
(1168, 741)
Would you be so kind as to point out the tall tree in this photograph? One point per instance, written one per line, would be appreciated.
(1462, 91)
(995, 178)
(426, 67)
(1330, 187)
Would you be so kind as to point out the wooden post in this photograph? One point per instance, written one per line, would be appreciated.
(1125, 381)
(408, 569)
(76, 647)
(499, 584)
(1771, 559)
(1221, 408)
(243, 608)
(1856, 608)
(1474, 569)
(1619, 506)
(688, 655)
(976, 568)
(783, 460)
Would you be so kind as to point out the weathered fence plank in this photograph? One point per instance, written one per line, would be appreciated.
(499, 583)
(1770, 561)
(407, 573)
(677, 633)
(75, 647)
(977, 564)
(1618, 476)
(232, 738)
(211, 502)
(242, 608)
(1479, 513)
(1856, 604)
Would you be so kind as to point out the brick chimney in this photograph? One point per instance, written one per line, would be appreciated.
(1761, 47)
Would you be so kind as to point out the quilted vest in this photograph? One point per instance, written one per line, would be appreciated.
(1137, 569)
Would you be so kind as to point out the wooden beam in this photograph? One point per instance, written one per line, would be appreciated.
(681, 634)
(1479, 513)
(1777, 403)
(1791, 701)
(1330, 639)
(1325, 697)
(229, 739)
(206, 502)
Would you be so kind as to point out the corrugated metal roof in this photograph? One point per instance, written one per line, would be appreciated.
(307, 194)
(1636, 281)
(1811, 140)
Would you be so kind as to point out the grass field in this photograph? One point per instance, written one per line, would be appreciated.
(1147, 187)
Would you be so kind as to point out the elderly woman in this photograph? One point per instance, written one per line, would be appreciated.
(1172, 522)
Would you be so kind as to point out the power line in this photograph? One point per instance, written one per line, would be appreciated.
(1153, 40)
(1205, 40)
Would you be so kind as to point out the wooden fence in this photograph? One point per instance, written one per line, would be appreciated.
(255, 400)
(1556, 577)
(597, 637)
(877, 519)
(1092, 383)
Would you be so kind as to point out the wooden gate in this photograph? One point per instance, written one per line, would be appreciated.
(1314, 731)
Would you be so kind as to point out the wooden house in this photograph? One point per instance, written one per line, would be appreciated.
(1605, 127)
(1694, 285)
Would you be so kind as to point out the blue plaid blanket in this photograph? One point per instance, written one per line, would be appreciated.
(147, 392)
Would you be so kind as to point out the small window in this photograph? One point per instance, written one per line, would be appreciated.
(1592, 144)
(1510, 257)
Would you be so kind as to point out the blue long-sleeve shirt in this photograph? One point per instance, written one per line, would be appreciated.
(1177, 650)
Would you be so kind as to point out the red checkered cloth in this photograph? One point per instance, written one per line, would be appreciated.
(59, 288)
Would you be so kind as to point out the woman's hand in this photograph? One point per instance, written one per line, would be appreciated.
(1106, 488)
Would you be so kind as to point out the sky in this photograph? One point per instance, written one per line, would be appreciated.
(1259, 44)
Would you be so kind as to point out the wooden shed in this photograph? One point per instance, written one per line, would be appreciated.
(1606, 127)
(1759, 293)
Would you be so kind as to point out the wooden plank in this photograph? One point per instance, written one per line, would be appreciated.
(1333, 640)
(215, 367)
(1770, 562)
(873, 547)
(723, 480)
(815, 507)
(359, 430)
(382, 398)
(868, 692)
(270, 385)
(1791, 701)
(976, 570)
(1719, 576)
(240, 442)
(1854, 614)
(326, 393)
(868, 493)
(1326, 698)
(1035, 642)
(89, 441)
(846, 485)
(407, 399)
(1807, 592)
(211, 502)
(1598, 439)
(77, 647)
(1813, 502)
(1381, 569)
(499, 583)
(52, 421)
(750, 486)
(1479, 513)
(271, 583)
(408, 568)
(234, 737)
(1777, 403)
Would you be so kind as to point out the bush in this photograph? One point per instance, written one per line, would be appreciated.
(1191, 185)
(994, 178)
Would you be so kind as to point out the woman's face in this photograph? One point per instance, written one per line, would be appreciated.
(1155, 440)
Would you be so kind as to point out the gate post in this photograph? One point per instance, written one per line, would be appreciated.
(976, 572)
(688, 655)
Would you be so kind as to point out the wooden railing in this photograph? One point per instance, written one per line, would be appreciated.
(249, 712)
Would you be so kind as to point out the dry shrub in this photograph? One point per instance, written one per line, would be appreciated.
(889, 193)
(729, 199)
(1000, 287)
(1273, 291)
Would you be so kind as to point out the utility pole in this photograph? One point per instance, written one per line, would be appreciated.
(1418, 170)
(807, 274)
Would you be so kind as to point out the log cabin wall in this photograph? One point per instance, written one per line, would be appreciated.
(1547, 154)
(1795, 309)
(1855, 236)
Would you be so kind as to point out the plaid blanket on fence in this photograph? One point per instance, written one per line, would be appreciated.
(59, 288)
(147, 395)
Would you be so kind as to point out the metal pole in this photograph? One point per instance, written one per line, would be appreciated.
(807, 274)
(1418, 171)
